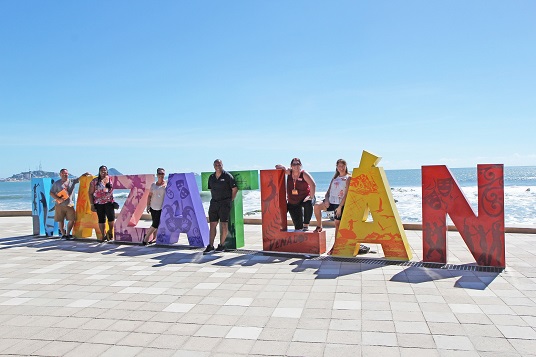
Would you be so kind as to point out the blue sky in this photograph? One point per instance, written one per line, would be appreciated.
(140, 84)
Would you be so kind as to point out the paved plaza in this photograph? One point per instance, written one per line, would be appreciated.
(83, 298)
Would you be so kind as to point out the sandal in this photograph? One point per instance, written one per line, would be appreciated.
(318, 229)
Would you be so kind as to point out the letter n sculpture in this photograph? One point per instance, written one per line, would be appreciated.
(484, 235)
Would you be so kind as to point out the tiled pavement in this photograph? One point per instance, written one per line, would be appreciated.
(74, 298)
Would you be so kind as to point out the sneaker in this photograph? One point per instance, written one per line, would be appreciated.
(208, 249)
(69, 236)
(143, 243)
(220, 248)
(63, 236)
(363, 249)
(305, 229)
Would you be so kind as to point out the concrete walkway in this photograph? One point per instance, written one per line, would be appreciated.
(80, 298)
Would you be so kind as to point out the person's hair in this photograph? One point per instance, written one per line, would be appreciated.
(217, 160)
(63, 170)
(99, 178)
(295, 159)
(340, 161)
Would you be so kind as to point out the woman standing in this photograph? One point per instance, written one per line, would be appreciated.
(300, 194)
(102, 201)
(155, 200)
(334, 196)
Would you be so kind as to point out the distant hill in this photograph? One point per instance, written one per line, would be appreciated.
(28, 175)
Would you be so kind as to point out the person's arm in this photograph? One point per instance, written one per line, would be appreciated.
(312, 185)
(54, 196)
(343, 201)
(282, 167)
(149, 201)
(326, 197)
(77, 180)
(235, 191)
(90, 193)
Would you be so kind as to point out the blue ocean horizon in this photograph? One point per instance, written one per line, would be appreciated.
(519, 182)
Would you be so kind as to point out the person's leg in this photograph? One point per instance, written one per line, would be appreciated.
(111, 230)
(155, 216)
(318, 208)
(102, 227)
(61, 225)
(150, 231)
(71, 218)
(213, 226)
(224, 214)
(210, 246)
(70, 225)
(110, 214)
(307, 213)
(318, 215)
(224, 228)
(213, 218)
(296, 215)
(59, 216)
(337, 224)
(101, 214)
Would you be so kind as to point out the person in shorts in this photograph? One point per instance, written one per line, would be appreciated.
(61, 191)
(155, 200)
(223, 189)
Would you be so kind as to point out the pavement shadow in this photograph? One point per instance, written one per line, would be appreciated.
(476, 280)
(248, 260)
(331, 269)
(51, 243)
(21, 241)
(181, 257)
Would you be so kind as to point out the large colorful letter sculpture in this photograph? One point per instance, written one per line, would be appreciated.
(245, 180)
(182, 212)
(43, 207)
(133, 208)
(484, 235)
(275, 236)
(129, 216)
(86, 220)
(369, 193)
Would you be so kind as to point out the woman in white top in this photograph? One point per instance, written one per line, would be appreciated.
(334, 197)
(154, 204)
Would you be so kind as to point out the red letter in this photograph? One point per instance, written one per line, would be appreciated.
(484, 235)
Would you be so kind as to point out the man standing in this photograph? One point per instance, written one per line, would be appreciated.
(223, 190)
(62, 191)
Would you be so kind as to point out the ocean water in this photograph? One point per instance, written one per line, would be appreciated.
(519, 191)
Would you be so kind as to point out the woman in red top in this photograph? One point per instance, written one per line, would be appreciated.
(300, 194)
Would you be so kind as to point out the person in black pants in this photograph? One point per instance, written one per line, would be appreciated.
(300, 194)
